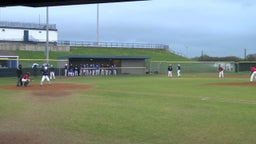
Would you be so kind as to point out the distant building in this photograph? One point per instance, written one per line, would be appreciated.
(27, 32)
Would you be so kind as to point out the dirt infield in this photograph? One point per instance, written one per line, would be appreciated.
(45, 93)
(54, 89)
(19, 138)
(233, 84)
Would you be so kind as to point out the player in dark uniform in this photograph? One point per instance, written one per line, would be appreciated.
(34, 68)
(45, 73)
(169, 70)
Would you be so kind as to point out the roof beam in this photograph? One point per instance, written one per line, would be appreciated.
(43, 3)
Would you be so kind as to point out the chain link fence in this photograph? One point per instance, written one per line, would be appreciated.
(8, 66)
(160, 67)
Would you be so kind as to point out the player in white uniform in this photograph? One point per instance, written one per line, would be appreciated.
(253, 73)
(52, 72)
(178, 70)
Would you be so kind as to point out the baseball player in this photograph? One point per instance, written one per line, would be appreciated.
(253, 73)
(114, 69)
(45, 73)
(221, 72)
(25, 79)
(66, 70)
(178, 70)
(52, 72)
(169, 71)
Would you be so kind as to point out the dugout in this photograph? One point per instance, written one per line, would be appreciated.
(8, 61)
(245, 65)
(8, 65)
(124, 64)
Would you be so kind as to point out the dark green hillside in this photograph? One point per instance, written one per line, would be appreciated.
(156, 55)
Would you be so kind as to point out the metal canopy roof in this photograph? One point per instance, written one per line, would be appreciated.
(43, 3)
(103, 57)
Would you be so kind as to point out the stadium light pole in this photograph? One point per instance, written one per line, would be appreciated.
(186, 47)
(97, 31)
(245, 55)
(47, 35)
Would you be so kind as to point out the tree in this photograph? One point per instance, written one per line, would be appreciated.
(251, 57)
(209, 58)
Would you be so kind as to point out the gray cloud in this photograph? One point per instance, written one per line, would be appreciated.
(217, 27)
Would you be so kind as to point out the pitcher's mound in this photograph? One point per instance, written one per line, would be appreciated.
(233, 84)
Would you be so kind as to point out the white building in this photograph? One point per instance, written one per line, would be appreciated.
(27, 32)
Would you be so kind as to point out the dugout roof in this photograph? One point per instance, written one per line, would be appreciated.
(43, 3)
(105, 57)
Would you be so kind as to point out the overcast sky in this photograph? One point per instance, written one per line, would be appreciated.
(190, 27)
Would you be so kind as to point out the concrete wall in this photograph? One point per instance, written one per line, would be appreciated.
(31, 47)
(133, 67)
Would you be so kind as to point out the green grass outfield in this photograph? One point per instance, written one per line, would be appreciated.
(148, 109)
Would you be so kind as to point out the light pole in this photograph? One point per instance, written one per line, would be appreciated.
(97, 31)
(186, 47)
(47, 36)
(245, 55)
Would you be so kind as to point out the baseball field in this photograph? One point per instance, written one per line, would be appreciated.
(127, 109)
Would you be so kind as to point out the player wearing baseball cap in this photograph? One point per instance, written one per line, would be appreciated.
(178, 70)
(19, 75)
(45, 73)
(25, 79)
(52, 72)
(253, 73)
(221, 72)
(169, 70)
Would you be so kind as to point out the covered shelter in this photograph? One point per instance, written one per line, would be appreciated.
(44, 3)
(7, 61)
(123, 64)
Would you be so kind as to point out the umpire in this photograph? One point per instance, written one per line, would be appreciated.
(19, 76)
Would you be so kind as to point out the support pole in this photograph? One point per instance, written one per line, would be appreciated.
(98, 25)
(245, 55)
(47, 36)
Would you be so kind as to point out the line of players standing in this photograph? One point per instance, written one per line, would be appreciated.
(220, 70)
(89, 70)
(169, 71)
